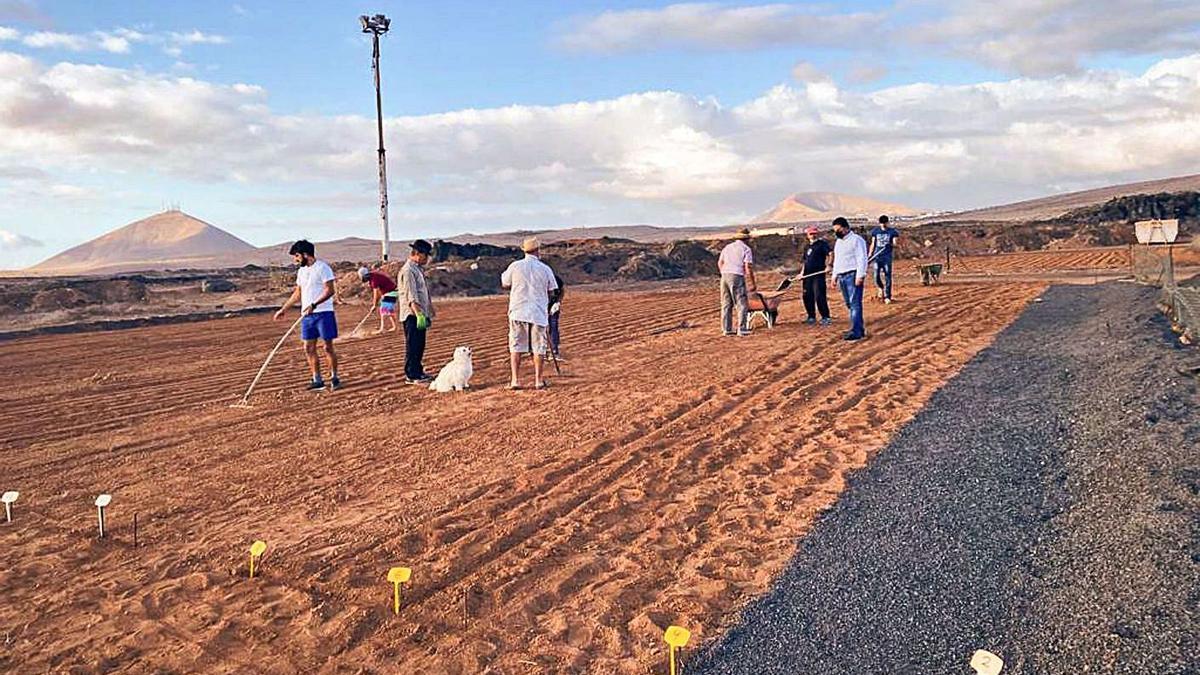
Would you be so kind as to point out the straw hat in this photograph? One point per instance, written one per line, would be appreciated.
(743, 233)
(531, 245)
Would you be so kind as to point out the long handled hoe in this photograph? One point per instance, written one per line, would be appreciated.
(245, 402)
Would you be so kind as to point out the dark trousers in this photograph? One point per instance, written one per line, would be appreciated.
(414, 349)
(554, 333)
(814, 297)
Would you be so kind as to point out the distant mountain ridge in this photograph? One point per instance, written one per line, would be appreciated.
(176, 240)
(804, 207)
(1045, 208)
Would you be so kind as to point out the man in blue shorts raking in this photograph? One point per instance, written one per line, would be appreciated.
(314, 290)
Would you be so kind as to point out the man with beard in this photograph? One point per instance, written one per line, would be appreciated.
(314, 290)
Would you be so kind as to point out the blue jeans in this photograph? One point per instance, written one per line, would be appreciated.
(883, 275)
(852, 294)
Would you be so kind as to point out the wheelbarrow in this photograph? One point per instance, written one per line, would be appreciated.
(763, 306)
(931, 273)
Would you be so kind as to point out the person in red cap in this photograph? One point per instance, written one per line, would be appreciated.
(816, 254)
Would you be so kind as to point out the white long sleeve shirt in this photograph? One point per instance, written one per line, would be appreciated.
(850, 255)
(531, 281)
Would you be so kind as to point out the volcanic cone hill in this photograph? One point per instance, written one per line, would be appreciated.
(171, 239)
(813, 206)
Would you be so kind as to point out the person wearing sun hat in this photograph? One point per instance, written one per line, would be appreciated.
(816, 254)
(531, 282)
(736, 265)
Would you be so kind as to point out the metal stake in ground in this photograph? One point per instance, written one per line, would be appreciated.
(378, 25)
(101, 502)
(245, 402)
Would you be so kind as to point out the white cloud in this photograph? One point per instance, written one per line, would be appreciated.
(714, 26)
(804, 71)
(117, 41)
(15, 241)
(1046, 37)
(52, 40)
(649, 156)
(866, 74)
(196, 37)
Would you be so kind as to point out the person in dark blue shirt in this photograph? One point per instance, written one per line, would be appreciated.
(816, 254)
(883, 243)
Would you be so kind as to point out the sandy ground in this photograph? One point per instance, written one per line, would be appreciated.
(664, 479)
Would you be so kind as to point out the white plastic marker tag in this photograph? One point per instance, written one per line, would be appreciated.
(8, 498)
(101, 502)
(986, 663)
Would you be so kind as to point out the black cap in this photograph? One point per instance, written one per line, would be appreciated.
(423, 247)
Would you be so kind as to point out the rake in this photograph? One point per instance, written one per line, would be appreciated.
(245, 402)
(354, 334)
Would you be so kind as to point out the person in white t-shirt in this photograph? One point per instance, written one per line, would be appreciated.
(737, 279)
(314, 291)
(531, 281)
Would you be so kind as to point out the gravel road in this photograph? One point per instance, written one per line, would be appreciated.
(1045, 505)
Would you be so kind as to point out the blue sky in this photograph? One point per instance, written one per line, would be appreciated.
(258, 116)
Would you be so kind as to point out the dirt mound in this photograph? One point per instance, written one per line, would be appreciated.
(114, 290)
(647, 266)
(62, 297)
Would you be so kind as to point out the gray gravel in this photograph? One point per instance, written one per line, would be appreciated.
(1045, 505)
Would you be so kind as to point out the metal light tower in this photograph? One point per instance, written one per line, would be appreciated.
(378, 25)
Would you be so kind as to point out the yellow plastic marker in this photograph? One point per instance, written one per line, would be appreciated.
(676, 637)
(986, 663)
(256, 551)
(398, 575)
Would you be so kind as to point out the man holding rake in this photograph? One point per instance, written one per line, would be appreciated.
(314, 290)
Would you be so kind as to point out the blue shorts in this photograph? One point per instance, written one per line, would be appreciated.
(318, 325)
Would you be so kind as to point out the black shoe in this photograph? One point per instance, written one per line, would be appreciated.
(810, 320)
(315, 385)
(851, 337)
(335, 384)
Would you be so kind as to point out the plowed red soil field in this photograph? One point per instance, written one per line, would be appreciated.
(665, 478)
(1107, 258)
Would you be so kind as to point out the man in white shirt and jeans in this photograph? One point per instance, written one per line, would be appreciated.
(531, 282)
(314, 289)
(737, 278)
(849, 272)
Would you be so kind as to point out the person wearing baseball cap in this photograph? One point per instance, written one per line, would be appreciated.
(816, 254)
(383, 295)
(416, 311)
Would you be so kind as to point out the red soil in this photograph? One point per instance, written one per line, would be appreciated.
(665, 479)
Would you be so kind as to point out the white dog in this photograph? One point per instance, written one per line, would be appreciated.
(455, 375)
